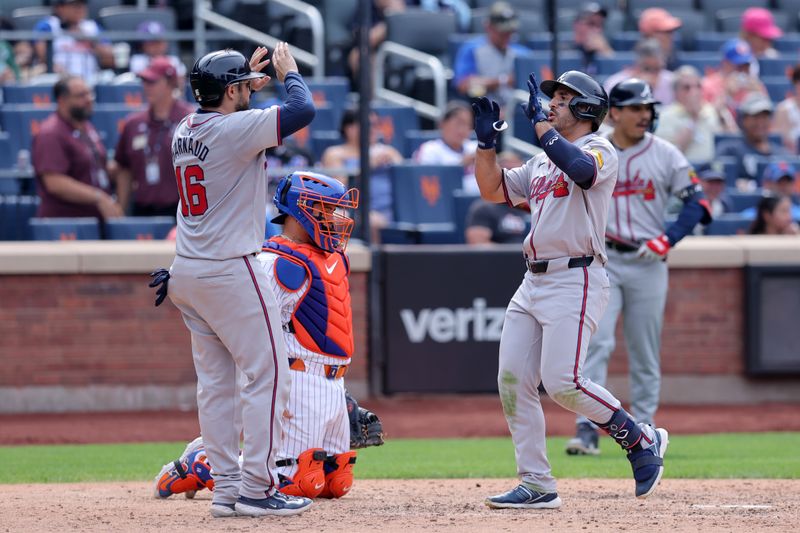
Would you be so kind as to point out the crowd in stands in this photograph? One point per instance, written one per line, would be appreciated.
(732, 106)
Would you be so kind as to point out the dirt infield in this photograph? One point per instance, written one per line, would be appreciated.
(430, 505)
(403, 417)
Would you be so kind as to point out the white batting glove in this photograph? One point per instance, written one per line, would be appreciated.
(655, 249)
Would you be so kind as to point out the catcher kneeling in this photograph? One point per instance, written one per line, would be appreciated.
(309, 273)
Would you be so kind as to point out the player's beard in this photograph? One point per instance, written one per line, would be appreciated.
(243, 102)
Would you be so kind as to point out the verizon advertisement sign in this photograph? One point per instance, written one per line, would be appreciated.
(443, 310)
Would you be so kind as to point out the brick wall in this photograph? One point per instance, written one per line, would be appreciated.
(99, 329)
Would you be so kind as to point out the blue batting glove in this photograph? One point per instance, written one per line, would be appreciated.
(533, 109)
(487, 122)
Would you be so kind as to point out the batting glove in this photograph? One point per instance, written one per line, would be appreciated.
(655, 249)
(160, 280)
(533, 109)
(487, 122)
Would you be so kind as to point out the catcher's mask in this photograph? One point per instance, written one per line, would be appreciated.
(320, 204)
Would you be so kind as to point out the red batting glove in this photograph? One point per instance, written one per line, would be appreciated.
(655, 249)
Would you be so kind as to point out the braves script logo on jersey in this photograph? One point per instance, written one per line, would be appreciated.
(541, 187)
(636, 186)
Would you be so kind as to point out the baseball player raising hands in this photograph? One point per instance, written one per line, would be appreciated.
(308, 272)
(553, 314)
(217, 283)
(651, 170)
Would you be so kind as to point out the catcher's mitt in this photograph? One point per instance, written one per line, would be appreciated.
(365, 426)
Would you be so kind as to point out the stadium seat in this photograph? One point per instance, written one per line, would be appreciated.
(7, 158)
(9, 185)
(7, 7)
(462, 201)
(743, 200)
(415, 139)
(324, 120)
(138, 228)
(26, 18)
(729, 224)
(65, 229)
(22, 121)
(8, 213)
(331, 91)
(129, 94)
(777, 86)
(522, 127)
(128, 18)
(26, 210)
(37, 95)
(776, 66)
(711, 41)
(540, 63)
(711, 7)
(539, 41)
(788, 44)
(624, 41)
(393, 121)
(422, 194)
(610, 65)
(702, 61)
(322, 140)
(637, 6)
(109, 120)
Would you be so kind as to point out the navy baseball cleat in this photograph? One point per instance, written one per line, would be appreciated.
(278, 504)
(521, 497)
(585, 441)
(648, 464)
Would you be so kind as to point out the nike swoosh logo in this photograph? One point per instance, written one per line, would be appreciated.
(317, 487)
(332, 267)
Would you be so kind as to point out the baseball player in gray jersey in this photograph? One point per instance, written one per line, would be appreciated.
(218, 284)
(564, 292)
(651, 171)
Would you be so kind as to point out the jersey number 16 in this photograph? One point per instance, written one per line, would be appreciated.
(191, 190)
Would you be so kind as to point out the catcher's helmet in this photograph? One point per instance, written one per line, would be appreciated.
(592, 100)
(634, 92)
(319, 204)
(213, 72)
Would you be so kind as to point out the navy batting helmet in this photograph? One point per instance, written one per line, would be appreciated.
(592, 100)
(319, 203)
(213, 72)
(635, 92)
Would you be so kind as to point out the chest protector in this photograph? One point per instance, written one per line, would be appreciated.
(322, 321)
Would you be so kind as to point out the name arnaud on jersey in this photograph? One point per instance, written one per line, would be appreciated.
(187, 145)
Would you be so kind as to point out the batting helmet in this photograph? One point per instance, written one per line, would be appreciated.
(634, 91)
(592, 100)
(213, 72)
(318, 203)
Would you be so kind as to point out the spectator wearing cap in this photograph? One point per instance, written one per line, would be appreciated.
(649, 66)
(69, 158)
(145, 175)
(754, 116)
(779, 178)
(154, 46)
(690, 122)
(656, 23)
(732, 81)
(787, 114)
(71, 54)
(484, 66)
(588, 30)
(758, 29)
(712, 179)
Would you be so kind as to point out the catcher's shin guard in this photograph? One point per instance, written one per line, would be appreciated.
(338, 475)
(309, 479)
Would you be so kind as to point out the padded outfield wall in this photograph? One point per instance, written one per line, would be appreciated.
(78, 330)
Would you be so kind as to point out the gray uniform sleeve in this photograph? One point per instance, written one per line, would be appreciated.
(680, 172)
(606, 161)
(252, 131)
(516, 182)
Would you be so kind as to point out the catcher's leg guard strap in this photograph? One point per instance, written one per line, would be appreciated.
(338, 475)
(309, 479)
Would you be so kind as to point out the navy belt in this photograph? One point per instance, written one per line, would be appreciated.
(540, 267)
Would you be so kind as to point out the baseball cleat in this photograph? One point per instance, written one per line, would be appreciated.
(585, 441)
(278, 504)
(223, 510)
(177, 476)
(648, 464)
(522, 497)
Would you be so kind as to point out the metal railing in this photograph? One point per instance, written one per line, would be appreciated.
(388, 48)
(315, 60)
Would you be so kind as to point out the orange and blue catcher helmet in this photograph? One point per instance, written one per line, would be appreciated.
(320, 204)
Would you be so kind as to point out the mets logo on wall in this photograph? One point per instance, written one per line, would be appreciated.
(431, 189)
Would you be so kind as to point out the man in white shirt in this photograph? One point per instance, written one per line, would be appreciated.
(454, 147)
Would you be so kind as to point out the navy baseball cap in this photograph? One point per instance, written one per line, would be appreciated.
(779, 170)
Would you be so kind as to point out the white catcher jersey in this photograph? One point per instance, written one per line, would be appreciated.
(649, 173)
(221, 173)
(566, 221)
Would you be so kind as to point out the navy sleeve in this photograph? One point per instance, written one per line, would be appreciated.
(576, 164)
(695, 210)
(298, 111)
